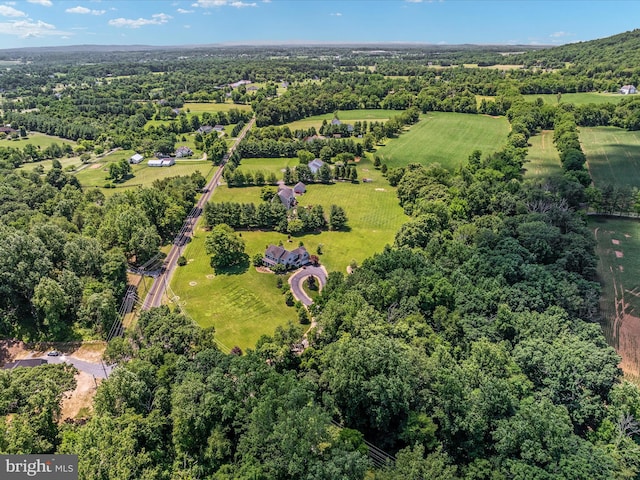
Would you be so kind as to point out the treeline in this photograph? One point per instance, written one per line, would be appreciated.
(273, 215)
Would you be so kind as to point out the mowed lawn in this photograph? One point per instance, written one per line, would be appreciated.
(36, 139)
(543, 160)
(345, 116)
(618, 249)
(445, 138)
(268, 165)
(577, 98)
(246, 305)
(613, 155)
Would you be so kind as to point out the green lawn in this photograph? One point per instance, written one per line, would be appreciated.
(618, 248)
(213, 107)
(543, 160)
(66, 162)
(348, 116)
(578, 98)
(613, 155)
(268, 165)
(242, 307)
(36, 139)
(445, 138)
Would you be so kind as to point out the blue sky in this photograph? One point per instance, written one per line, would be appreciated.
(28, 23)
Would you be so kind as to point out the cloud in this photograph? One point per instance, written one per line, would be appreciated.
(85, 11)
(222, 3)
(337, 14)
(560, 34)
(156, 19)
(44, 3)
(30, 29)
(182, 10)
(7, 11)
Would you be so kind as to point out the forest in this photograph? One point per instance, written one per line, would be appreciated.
(469, 348)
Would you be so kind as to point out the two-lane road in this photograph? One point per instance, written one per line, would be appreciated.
(161, 282)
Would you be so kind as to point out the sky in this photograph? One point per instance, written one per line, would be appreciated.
(34, 23)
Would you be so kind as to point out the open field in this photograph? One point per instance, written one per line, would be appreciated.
(445, 138)
(348, 116)
(213, 107)
(143, 175)
(267, 165)
(618, 250)
(613, 155)
(543, 159)
(246, 305)
(578, 98)
(241, 307)
(66, 162)
(37, 140)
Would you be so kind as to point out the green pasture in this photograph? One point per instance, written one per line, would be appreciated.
(613, 155)
(445, 138)
(213, 107)
(241, 307)
(267, 165)
(577, 98)
(543, 160)
(346, 116)
(39, 140)
(66, 162)
(618, 249)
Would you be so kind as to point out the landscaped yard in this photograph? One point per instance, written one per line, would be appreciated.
(244, 306)
(445, 138)
(613, 155)
(543, 160)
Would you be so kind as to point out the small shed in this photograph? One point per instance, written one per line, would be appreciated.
(628, 90)
(136, 158)
(299, 188)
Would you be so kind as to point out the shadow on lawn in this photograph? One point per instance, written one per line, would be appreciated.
(237, 269)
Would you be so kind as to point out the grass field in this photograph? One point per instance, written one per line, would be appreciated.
(543, 160)
(445, 138)
(618, 250)
(613, 155)
(267, 165)
(578, 98)
(349, 116)
(36, 139)
(244, 306)
(213, 107)
(66, 162)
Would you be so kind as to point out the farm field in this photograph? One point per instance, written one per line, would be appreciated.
(244, 306)
(445, 138)
(578, 98)
(543, 160)
(613, 155)
(618, 249)
(213, 107)
(37, 140)
(66, 162)
(348, 116)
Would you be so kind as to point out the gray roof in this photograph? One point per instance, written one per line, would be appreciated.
(275, 251)
(300, 186)
(315, 164)
(286, 195)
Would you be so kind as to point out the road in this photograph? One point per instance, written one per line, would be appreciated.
(299, 276)
(161, 282)
(97, 369)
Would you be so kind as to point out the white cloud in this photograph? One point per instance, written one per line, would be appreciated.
(560, 34)
(44, 3)
(85, 11)
(182, 10)
(156, 19)
(337, 14)
(222, 3)
(30, 29)
(7, 11)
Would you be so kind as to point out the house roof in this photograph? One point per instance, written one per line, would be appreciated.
(219, 128)
(628, 86)
(275, 251)
(205, 129)
(299, 186)
(315, 164)
(286, 195)
(136, 157)
(299, 251)
(335, 121)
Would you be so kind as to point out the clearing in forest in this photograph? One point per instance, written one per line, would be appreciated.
(618, 249)
(613, 155)
(543, 160)
(445, 138)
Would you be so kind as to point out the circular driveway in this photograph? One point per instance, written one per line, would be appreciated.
(299, 276)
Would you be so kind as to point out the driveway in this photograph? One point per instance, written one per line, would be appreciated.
(299, 276)
(97, 369)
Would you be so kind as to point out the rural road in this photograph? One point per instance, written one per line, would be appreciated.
(161, 282)
(299, 276)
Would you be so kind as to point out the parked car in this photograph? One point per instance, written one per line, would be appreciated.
(53, 353)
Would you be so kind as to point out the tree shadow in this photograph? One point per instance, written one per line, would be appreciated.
(237, 269)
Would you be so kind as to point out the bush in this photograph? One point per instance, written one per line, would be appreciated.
(182, 261)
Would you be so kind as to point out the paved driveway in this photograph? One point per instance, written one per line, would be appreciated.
(98, 369)
(299, 276)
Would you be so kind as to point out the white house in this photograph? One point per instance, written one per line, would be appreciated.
(135, 159)
(275, 255)
(628, 89)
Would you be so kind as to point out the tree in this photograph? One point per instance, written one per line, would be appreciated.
(337, 218)
(225, 247)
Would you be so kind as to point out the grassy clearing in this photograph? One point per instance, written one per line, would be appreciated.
(618, 248)
(268, 165)
(39, 140)
(213, 107)
(445, 138)
(613, 155)
(345, 116)
(543, 159)
(241, 307)
(66, 162)
(244, 306)
(577, 98)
